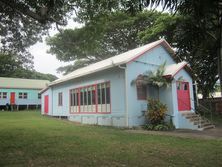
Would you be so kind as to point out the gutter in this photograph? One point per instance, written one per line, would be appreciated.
(126, 97)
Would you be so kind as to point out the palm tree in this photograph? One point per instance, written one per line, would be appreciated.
(155, 78)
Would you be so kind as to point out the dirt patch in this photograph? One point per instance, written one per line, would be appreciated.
(215, 133)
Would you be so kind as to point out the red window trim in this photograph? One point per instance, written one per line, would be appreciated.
(96, 99)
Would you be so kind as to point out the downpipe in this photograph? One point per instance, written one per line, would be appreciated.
(126, 96)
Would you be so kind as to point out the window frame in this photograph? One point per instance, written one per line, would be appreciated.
(3, 95)
(141, 92)
(39, 96)
(23, 95)
(60, 99)
(92, 100)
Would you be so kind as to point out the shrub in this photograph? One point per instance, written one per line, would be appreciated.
(156, 112)
(159, 127)
(148, 127)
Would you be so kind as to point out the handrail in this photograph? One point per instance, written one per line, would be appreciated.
(205, 109)
(196, 111)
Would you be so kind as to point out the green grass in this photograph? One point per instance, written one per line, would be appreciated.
(29, 139)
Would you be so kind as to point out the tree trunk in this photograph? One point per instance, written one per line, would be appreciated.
(220, 60)
(220, 46)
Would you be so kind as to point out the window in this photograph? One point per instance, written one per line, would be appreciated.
(23, 95)
(182, 85)
(90, 99)
(3, 95)
(60, 99)
(74, 100)
(185, 86)
(39, 96)
(141, 93)
(103, 97)
(178, 85)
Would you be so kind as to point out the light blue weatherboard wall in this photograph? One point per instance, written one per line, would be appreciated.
(32, 98)
(150, 61)
(117, 94)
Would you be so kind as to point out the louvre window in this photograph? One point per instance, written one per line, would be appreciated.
(90, 99)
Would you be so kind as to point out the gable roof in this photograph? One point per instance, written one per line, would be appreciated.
(22, 83)
(117, 60)
(173, 69)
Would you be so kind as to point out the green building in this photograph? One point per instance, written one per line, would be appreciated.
(21, 93)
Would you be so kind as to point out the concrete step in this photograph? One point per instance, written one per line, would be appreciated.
(188, 113)
(197, 120)
(200, 122)
(192, 116)
(209, 126)
(193, 119)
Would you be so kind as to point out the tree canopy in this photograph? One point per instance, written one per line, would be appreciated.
(200, 40)
(108, 36)
(10, 66)
(24, 22)
(114, 26)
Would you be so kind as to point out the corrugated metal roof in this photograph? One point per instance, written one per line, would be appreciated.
(113, 61)
(173, 69)
(22, 83)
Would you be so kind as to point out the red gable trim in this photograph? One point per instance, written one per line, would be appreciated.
(179, 70)
(185, 67)
(162, 42)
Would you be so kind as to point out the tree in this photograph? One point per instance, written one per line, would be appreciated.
(199, 50)
(199, 35)
(10, 66)
(107, 36)
(23, 22)
(31, 74)
(206, 27)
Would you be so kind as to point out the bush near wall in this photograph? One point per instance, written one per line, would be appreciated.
(155, 115)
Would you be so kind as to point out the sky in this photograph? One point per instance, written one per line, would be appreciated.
(45, 62)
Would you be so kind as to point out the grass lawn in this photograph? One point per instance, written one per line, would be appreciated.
(29, 139)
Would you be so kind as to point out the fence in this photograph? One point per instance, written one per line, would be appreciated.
(214, 104)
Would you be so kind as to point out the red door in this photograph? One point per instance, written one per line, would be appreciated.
(12, 98)
(46, 104)
(183, 96)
